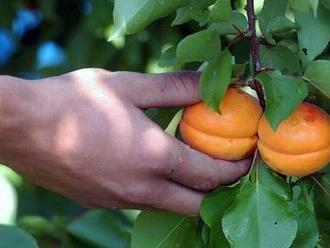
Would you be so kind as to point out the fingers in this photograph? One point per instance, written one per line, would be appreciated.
(162, 195)
(176, 198)
(199, 171)
(171, 159)
(158, 90)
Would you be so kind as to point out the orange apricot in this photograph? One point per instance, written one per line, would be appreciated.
(231, 135)
(300, 146)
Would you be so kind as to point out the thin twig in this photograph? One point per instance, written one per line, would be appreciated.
(254, 50)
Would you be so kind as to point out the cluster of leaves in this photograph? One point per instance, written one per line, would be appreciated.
(294, 38)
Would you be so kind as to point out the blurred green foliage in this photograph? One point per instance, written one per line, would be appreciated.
(81, 29)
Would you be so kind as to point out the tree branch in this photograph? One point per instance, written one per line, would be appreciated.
(254, 50)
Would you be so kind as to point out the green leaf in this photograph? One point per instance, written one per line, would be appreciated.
(280, 24)
(307, 234)
(280, 58)
(283, 94)
(196, 9)
(162, 116)
(212, 210)
(102, 228)
(160, 229)
(168, 57)
(314, 4)
(215, 80)
(324, 226)
(182, 16)
(300, 5)
(326, 3)
(292, 45)
(274, 182)
(205, 235)
(221, 11)
(257, 216)
(305, 5)
(314, 33)
(11, 236)
(200, 46)
(270, 10)
(318, 73)
(133, 16)
(38, 226)
(227, 28)
(200, 15)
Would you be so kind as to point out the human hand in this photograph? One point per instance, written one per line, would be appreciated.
(87, 138)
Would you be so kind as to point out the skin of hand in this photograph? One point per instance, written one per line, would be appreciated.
(84, 135)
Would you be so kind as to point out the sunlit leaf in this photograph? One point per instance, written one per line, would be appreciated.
(215, 80)
(212, 210)
(280, 58)
(271, 9)
(132, 16)
(313, 33)
(164, 230)
(283, 94)
(200, 46)
(280, 24)
(221, 11)
(238, 19)
(318, 72)
(257, 216)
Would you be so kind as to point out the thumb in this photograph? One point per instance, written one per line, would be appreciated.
(161, 90)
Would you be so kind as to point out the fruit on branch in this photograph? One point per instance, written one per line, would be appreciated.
(301, 144)
(231, 135)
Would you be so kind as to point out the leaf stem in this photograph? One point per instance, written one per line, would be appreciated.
(254, 50)
(235, 40)
(238, 30)
(321, 186)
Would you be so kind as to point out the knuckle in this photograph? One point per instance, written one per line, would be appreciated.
(213, 183)
(90, 75)
(135, 195)
(155, 158)
(183, 82)
(208, 185)
(176, 164)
